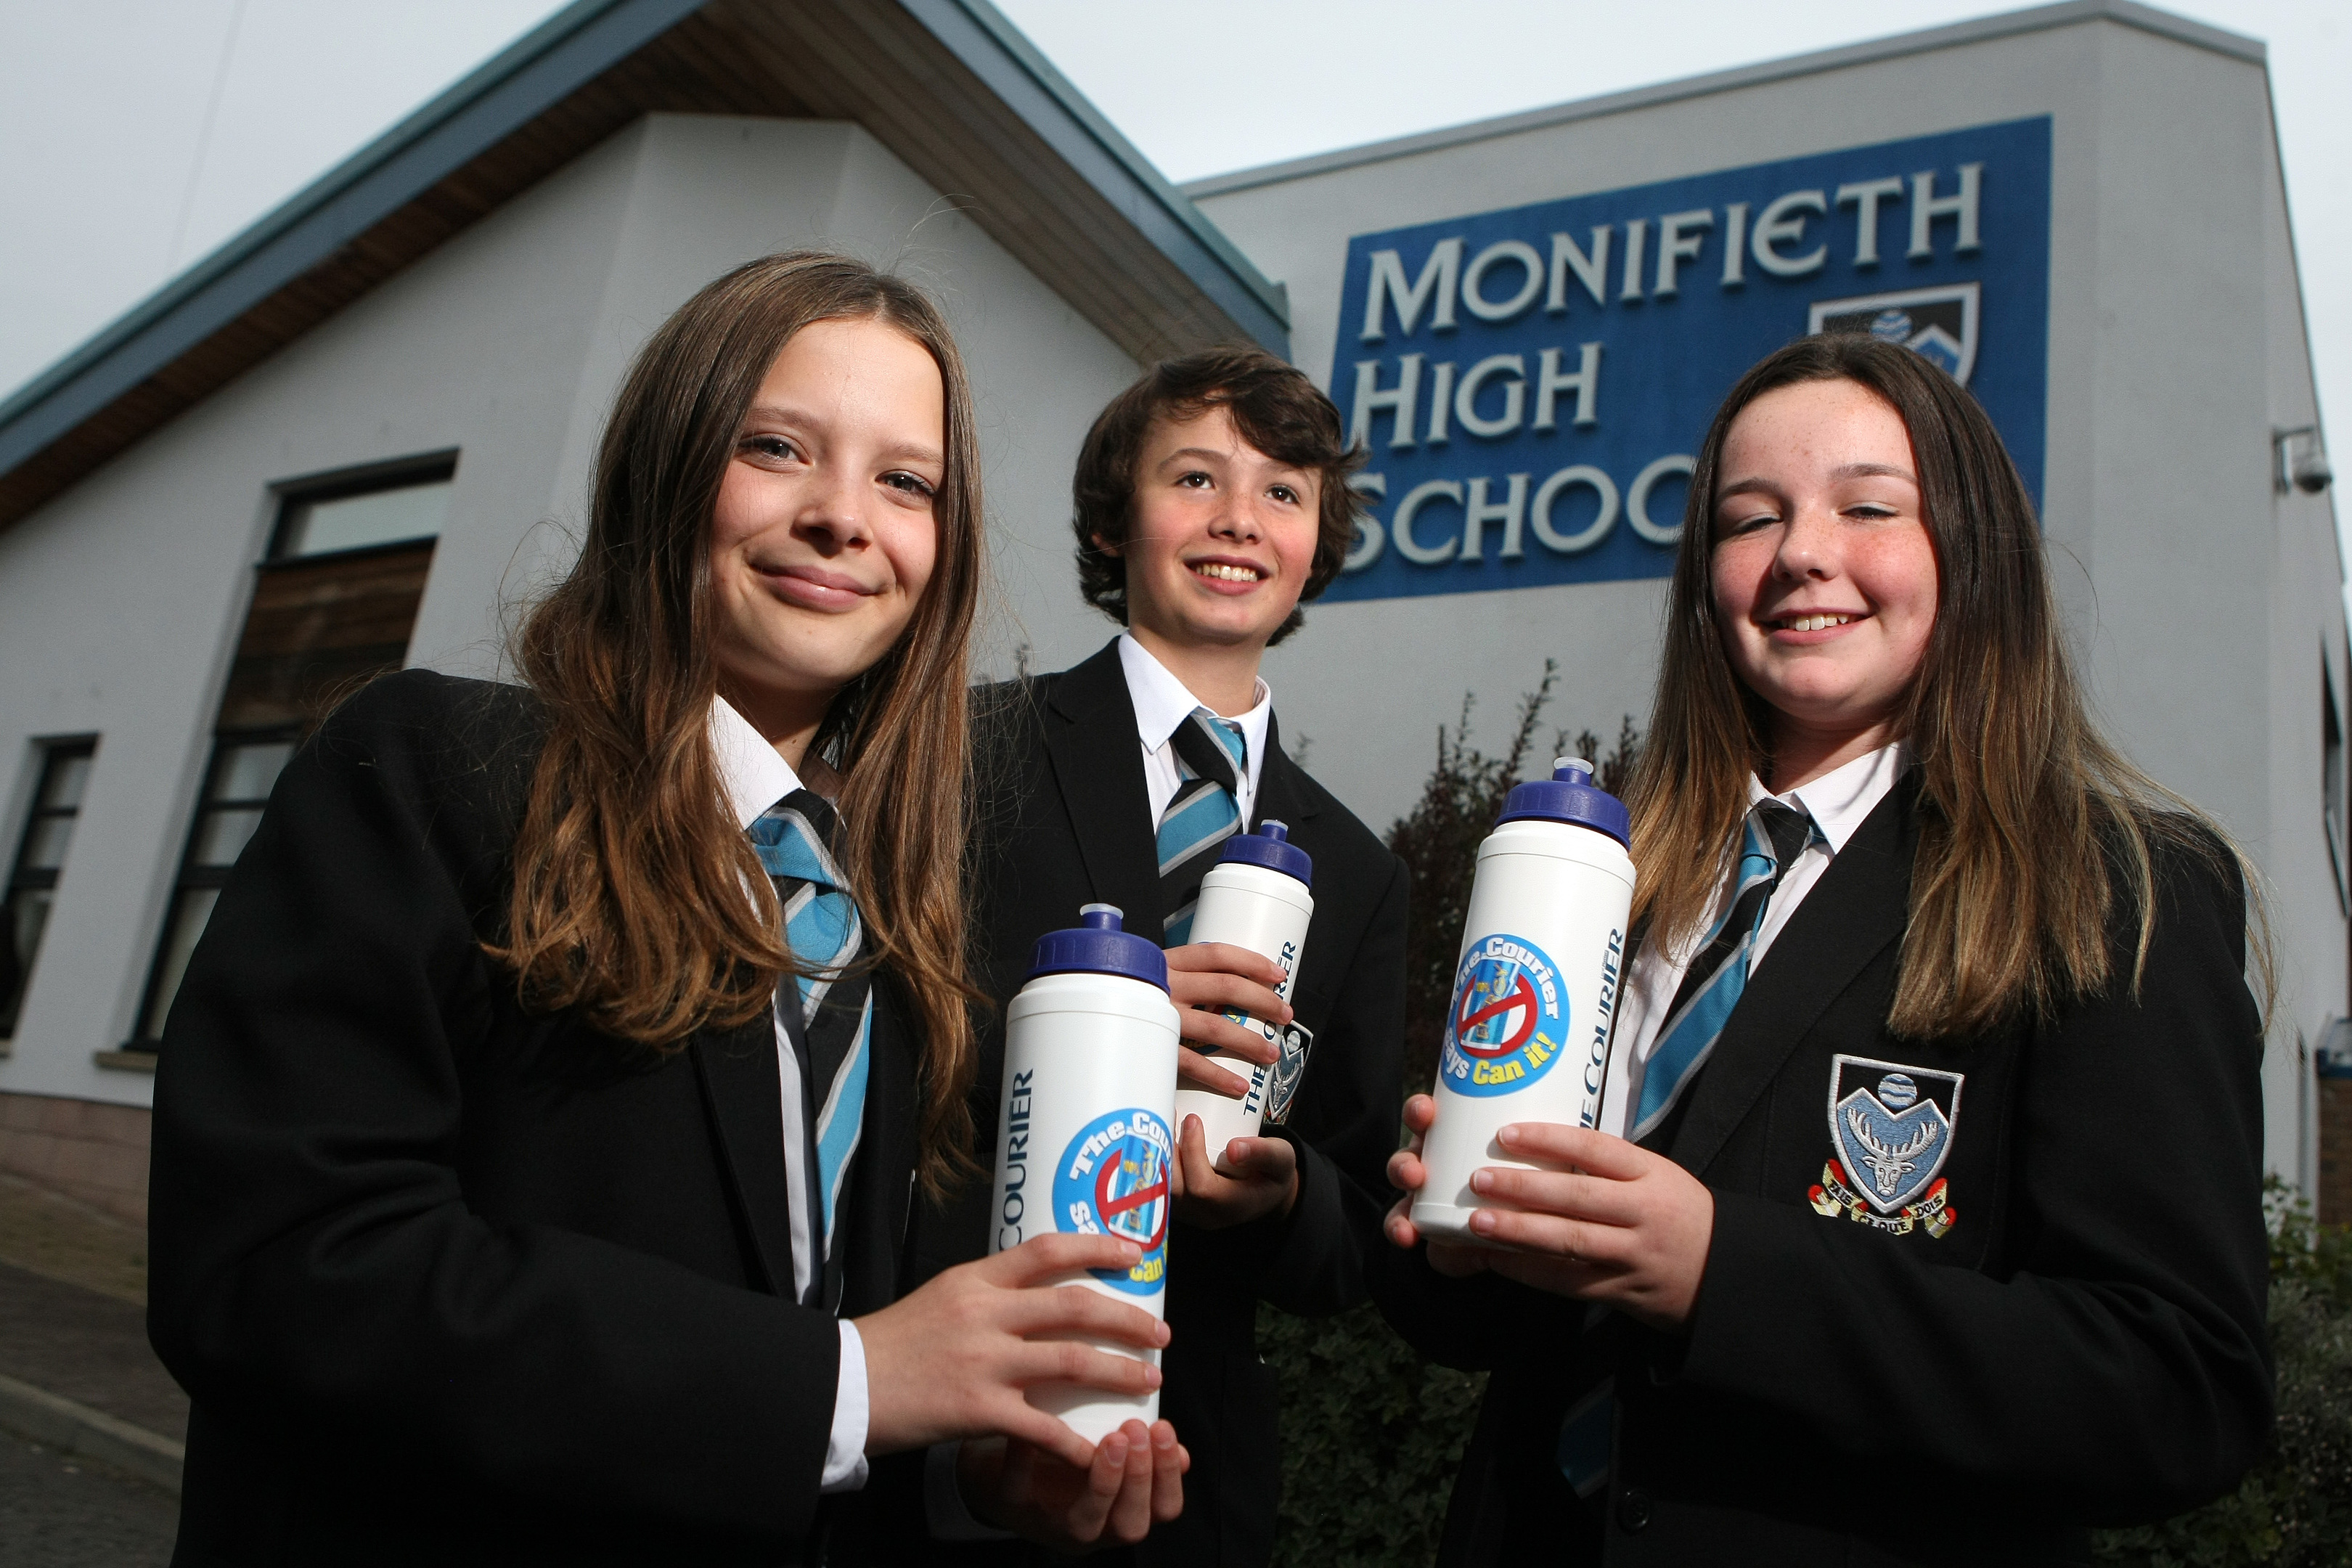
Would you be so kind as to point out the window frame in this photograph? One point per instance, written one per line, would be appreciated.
(339, 484)
(195, 877)
(291, 498)
(53, 752)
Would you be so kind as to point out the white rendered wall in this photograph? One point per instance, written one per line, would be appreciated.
(2196, 601)
(121, 601)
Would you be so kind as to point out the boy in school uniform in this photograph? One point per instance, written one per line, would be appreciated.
(1209, 499)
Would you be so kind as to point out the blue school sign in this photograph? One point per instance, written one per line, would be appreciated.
(1532, 383)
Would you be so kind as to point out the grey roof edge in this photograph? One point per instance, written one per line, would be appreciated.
(1002, 56)
(2039, 18)
(550, 60)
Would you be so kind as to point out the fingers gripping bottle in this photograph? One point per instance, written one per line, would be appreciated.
(1534, 989)
(1255, 897)
(1086, 1135)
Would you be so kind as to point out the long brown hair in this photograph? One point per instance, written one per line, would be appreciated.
(2031, 826)
(625, 904)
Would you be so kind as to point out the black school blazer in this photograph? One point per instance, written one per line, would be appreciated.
(452, 1283)
(1067, 822)
(2083, 1344)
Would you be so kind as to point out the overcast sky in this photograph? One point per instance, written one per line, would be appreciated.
(136, 135)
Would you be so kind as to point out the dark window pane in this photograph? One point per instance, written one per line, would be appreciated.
(221, 834)
(67, 777)
(246, 771)
(27, 914)
(46, 838)
(33, 878)
(28, 911)
(189, 913)
(319, 628)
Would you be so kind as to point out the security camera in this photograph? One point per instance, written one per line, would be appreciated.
(2309, 472)
(2312, 474)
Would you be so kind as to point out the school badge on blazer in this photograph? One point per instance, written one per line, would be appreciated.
(1289, 1070)
(1891, 1130)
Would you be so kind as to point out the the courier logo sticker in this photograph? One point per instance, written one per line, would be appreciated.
(1891, 1131)
(1506, 1028)
(1113, 1181)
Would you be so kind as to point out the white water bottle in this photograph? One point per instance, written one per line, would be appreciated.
(1085, 1137)
(1535, 988)
(1255, 897)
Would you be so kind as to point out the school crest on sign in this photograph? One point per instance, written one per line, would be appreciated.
(1938, 324)
(1891, 1131)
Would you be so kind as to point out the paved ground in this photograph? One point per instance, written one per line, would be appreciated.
(61, 1512)
(91, 1349)
(73, 1293)
(73, 1309)
(53, 1235)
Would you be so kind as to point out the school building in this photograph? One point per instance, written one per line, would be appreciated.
(359, 434)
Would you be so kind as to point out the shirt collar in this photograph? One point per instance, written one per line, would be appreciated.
(1162, 702)
(750, 770)
(1841, 799)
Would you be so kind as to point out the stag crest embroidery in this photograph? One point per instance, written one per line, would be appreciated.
(1891, 1130)
(1887, 1167)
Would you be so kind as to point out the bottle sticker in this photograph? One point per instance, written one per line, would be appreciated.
(1505, 1029)
(1113, 1181)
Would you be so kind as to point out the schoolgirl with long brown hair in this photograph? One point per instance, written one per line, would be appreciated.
(1924, 1224)
(544, 1104)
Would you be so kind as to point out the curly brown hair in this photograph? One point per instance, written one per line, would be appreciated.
(1278, 410)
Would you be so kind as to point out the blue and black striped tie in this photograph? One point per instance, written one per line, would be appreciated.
(1773, 836)
(1202, 813)
(795, 840)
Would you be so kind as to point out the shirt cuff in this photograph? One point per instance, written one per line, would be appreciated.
(844, 1451)
(944, 1509)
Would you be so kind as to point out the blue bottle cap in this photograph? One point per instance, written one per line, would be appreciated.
(1096, 945)
(1271, 847)
(1568, 795)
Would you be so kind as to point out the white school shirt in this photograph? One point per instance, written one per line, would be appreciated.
(1161, 703)
(755, 778)
(1838, 802)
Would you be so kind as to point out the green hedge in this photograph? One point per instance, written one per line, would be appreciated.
(1371, 1437)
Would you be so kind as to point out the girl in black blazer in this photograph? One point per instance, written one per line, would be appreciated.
(1935, 1232)
(537, 1125)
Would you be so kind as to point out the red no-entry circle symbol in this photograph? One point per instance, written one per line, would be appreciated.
(1110, 1207)
(1522, 996)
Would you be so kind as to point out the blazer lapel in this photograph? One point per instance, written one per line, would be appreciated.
(1089, 722)
(744, 1099)
(1279, 798)
(1860, 905)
